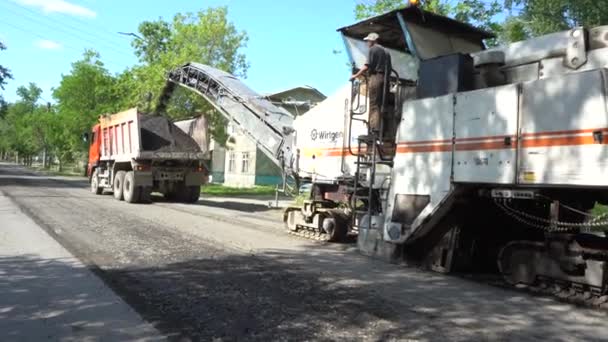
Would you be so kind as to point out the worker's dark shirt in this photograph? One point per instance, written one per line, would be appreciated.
(378, 60)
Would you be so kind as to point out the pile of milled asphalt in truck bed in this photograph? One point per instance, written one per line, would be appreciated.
(159, 134)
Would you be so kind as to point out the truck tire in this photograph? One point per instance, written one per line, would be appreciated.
(192, 194)
(119, 180)
(95, 188)
(130, 190)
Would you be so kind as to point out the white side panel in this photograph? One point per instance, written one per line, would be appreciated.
(531, 50)
(322, 138)
(486, 130)
(423, 164)
(564, 126)
(596, 59)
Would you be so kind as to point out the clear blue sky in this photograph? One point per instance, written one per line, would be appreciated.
(290, 42)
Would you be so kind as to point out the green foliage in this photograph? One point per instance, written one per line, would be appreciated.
(155, 42)
(524, 18)
(22, 127)
(479, 12)
(206, 37)
(599, 210)
(29, 95)
(221, 190)
(84, 94)
(514, 29)
(545, 16)
(5, 74)
(90, 90)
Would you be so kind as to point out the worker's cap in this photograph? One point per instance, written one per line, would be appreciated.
(372, 37)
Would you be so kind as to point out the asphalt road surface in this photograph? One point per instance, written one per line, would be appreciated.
(226, 271)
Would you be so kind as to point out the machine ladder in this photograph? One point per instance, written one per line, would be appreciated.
(370, 153)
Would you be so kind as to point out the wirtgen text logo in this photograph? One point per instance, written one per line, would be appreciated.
(325, 135)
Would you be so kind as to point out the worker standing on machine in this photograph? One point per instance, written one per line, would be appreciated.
(378, 67)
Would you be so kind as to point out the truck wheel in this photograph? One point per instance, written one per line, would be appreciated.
(95, 188)
(192, 194)
(119, 179)
(131, 191)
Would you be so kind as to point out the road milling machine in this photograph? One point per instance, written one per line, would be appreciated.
(490, 160)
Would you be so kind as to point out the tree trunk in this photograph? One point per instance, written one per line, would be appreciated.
(60, 165)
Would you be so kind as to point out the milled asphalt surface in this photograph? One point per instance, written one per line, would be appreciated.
(204, 272)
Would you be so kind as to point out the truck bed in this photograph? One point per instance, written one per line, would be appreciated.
(131, 135)
(160, 138)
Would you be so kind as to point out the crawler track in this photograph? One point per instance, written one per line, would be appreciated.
(309, 234)
(547, 288)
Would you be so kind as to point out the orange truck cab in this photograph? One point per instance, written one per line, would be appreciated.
(94, 149)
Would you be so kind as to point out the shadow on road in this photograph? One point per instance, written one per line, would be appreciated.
(234, 205)
(223, 204)
(40, 300)
(11, 174)
(286, 296)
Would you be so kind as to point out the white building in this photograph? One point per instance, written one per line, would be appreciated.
(241, 163)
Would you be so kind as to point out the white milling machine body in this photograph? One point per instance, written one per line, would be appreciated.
(498, 155)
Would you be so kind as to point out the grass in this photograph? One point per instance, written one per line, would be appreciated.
(54, 170)
(600, 210)
(222, 190)
(299, 199)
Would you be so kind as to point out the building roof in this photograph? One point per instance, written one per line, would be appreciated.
(307, 88)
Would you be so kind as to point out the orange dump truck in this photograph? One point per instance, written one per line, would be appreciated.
(134, 155)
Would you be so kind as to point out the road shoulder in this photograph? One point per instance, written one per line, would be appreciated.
(48, 294)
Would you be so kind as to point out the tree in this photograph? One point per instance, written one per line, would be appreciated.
(87, 89)
(5, 74)
(479, 12)
(87, 92)
(29, 95)
(84, 94)
(538, 17)
(22, 123)
(205, 37)
(155, 42)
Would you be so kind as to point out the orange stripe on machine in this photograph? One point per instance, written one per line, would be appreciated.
(498, 142)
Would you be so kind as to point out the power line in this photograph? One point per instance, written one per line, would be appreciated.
(75, 32)
(35, 34)
(79, 29)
